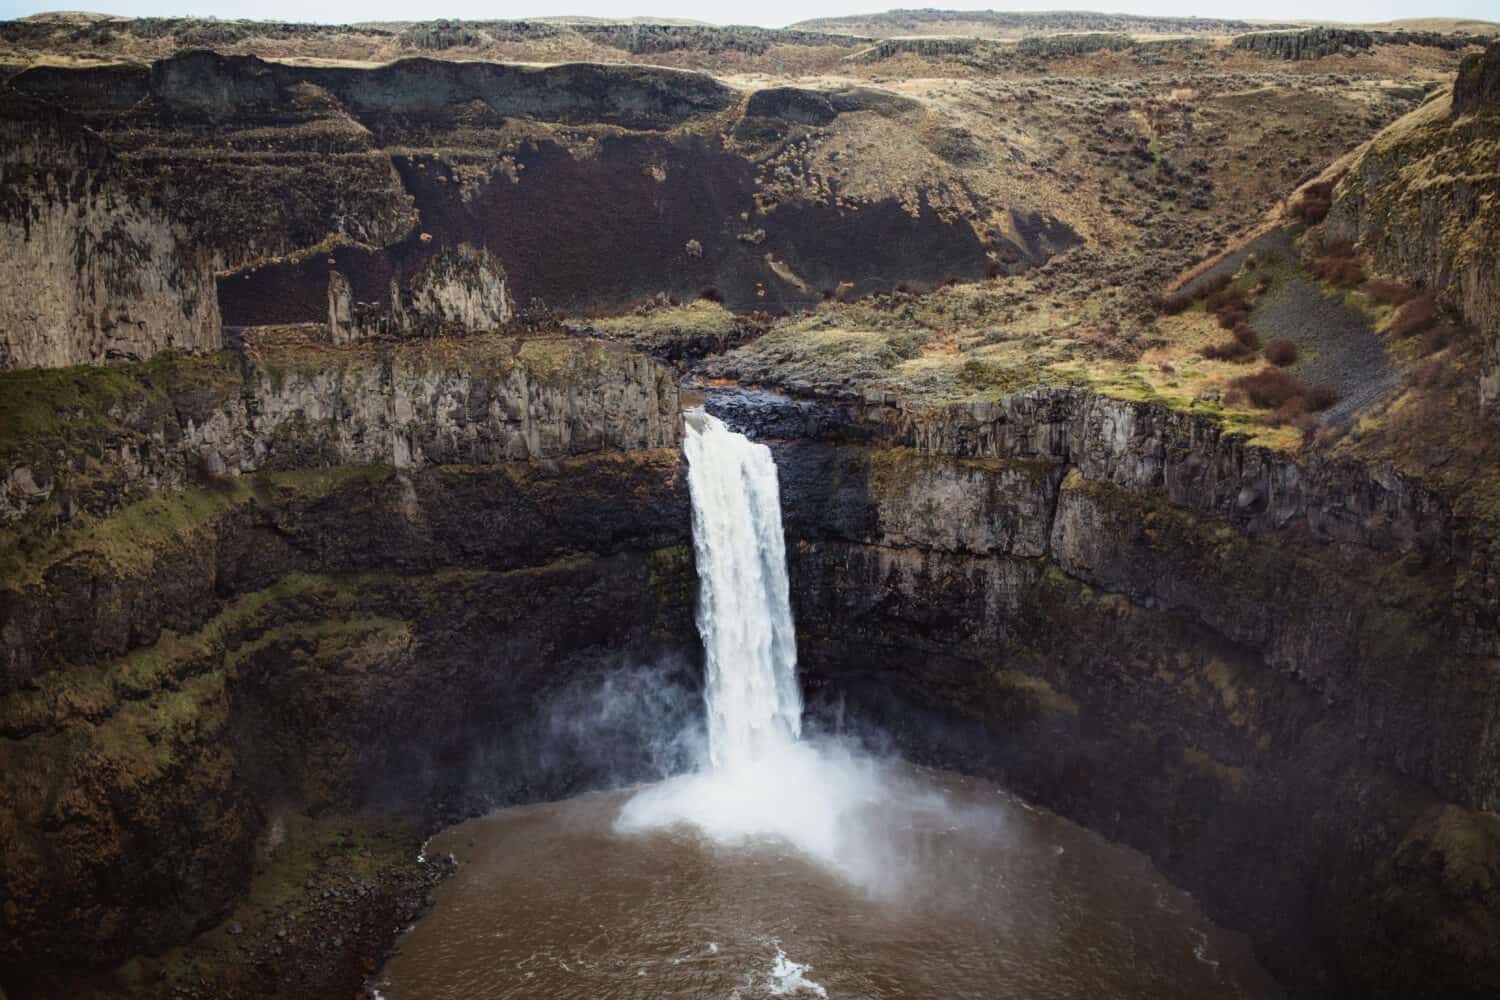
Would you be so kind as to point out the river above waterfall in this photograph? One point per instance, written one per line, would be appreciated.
(958, 890)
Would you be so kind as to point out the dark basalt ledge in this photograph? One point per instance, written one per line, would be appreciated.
(267, 619)
(207, 85)
(1271, 675)
(352, 643)
(1477, 86)
(267, 161)
(559, 243)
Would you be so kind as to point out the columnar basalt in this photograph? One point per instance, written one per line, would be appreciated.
(1270, 673)
(1421, 197)
(91, 271)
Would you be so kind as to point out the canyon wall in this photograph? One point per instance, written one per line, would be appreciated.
(92, 271)
(318, 583)
(1422, 199)
(1272, 675)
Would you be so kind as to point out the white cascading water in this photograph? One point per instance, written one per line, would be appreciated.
(744, 610)
(760, 780)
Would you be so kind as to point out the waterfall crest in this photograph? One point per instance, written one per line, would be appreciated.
(744, 610)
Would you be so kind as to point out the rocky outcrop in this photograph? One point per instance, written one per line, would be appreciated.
(240, 591)
(1421, 199)
(209, 85)
(92, 272)
(329, 644)
(456, 291)
(478, 400)
(1270, 673)
(1477, 86)
(1317, 43)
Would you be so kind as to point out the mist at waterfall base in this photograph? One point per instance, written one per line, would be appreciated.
(777, 862)
(760, 780)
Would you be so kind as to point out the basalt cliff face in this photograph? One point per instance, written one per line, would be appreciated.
(1272, 675)
(589, 186)
(91, 270)
(1424, 199)
(322, 583)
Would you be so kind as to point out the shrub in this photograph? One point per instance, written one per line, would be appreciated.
(1436, 337)
(1340, 272)
(1224, 297)
(1415, 316)
(1388, 293)
(1173, 303)
(711, 293)
(1315, 201)
(1281, 352)
(1245, 334)
(1231, 317)
(1269, 388)
(1230, 350)
(1273, 389)
(1321, 397)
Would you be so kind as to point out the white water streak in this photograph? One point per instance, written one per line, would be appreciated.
(744, 610)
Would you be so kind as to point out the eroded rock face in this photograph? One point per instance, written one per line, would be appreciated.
(1422, 197)
(375, 641)
(459, 290)
(1270, 674)
(91, 271)
(1477, 87)
(478, 400)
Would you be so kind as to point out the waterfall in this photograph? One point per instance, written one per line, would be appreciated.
(761, 779)
(744, 611)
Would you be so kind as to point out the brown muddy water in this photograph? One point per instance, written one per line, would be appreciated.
(921, 884)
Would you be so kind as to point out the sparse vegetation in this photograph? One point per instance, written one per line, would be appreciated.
(1283, 393)
(1415, 316)
(1313, 204)
(1340, 266)
(1281, 352)
(1388, 293)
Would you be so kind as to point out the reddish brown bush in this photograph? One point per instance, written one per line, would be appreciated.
(1229, 350)
(1388, 293)
(1225, 297)
(1437, 337)
(1273, 389)
(1269, 388)
(1281, 352)
(1415, 316)
(711, 293)
(1246, 335)
(1340, 272)
(1173, 303)
(1321, 397)
(1231, 317)
(1315, 201)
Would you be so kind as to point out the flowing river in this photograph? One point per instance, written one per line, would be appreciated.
(793, 867)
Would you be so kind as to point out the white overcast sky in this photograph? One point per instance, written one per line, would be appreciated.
(772, 13)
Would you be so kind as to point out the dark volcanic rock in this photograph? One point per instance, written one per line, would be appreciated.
(1270, 676)
(1478, 82)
